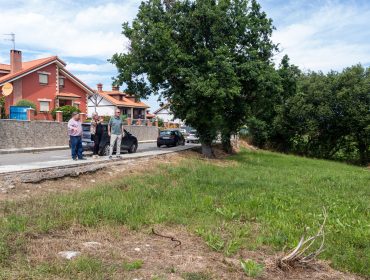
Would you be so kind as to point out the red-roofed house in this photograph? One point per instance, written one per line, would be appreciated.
(45, 82)
(105, 102)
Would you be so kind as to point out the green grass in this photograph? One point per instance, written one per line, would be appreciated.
(254, 199)
(130, 266)
(251, 268)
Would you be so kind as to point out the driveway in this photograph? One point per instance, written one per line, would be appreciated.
(60, 158)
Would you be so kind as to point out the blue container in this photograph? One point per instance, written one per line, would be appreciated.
(18, 113)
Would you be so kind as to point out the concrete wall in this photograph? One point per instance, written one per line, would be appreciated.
(37, 134)
(143, 133)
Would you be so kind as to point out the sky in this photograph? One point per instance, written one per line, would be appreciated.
(317, 35)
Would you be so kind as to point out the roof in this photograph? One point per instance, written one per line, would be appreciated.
(148, 115)
(125, 102)
(28, 67)
(68, 94)
(4, 67)
(33, 65)
(165, 106)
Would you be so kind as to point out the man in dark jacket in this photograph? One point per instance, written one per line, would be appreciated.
(96, 130)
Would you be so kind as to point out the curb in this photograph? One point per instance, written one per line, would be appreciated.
(32, 150)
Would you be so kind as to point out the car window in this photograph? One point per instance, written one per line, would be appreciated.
(86, 128)
(165, 133)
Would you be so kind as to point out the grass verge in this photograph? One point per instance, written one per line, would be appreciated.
(247, 201)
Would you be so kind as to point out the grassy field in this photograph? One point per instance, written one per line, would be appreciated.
(249, 200)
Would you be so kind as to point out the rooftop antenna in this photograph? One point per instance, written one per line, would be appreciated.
(12, 38)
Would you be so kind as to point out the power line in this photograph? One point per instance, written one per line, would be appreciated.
(12, 38)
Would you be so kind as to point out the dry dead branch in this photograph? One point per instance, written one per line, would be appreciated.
(301, 255)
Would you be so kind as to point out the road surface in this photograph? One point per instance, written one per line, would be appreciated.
(46, 159)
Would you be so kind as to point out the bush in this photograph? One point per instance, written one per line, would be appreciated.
(2, 107)
(26, 103)
(67, 112)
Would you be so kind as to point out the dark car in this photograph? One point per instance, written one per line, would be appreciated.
(171, 137)
(129, 141)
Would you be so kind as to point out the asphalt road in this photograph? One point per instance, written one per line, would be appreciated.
(48, 156)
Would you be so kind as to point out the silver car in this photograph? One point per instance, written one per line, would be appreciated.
(192, 137)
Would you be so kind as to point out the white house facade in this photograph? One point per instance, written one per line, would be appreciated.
(106, 102)
(164, 113)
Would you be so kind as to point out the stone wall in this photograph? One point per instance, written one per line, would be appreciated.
(38, 134)
(35, 134)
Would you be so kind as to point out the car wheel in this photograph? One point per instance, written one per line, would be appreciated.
(133, 148)
(158, 146)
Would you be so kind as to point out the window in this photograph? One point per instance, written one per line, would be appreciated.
(44, 106)
(61, 82)
(43, 79)
(77, 105)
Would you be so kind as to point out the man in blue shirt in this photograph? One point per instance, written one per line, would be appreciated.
(115, 131)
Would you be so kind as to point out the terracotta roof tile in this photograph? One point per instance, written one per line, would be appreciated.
(29, 66)
(5, 67)
(126, 102)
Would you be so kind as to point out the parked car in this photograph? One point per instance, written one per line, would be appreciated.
(183, 131)
(129, 141)
(170, 137)
(193, 137)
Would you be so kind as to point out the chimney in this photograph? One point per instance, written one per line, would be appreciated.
(115, 88)
(100, 87)
(15, 61)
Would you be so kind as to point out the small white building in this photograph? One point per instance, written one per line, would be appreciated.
(164, 113)
(105, 103)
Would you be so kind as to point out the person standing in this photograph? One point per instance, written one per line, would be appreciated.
(75, 136)
(115, 131)
(96, 130)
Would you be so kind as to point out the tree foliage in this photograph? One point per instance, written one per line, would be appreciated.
(67, 111)
(211, 59)
(323, 115)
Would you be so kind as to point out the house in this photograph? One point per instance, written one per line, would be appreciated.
(105, 102)
(164, 113)
(45, 82)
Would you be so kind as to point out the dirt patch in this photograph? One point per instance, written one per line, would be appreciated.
(244, 144)
(160, 258)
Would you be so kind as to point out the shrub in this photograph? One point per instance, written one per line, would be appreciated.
(2, 107)
(67, 112)
(160, 122)
(27, 103)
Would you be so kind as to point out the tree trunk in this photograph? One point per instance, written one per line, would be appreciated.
(226, 144)
(363, 151)
(207, 150)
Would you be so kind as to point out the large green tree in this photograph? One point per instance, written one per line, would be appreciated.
(210, 58)
(328, 116)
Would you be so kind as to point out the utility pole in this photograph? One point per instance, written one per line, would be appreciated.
(12, 38)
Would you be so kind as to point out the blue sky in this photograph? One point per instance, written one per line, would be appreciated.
(316, 34)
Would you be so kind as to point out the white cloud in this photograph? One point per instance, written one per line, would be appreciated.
(332, 37)
(60, 28)
(93, 79)
(81, 67)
